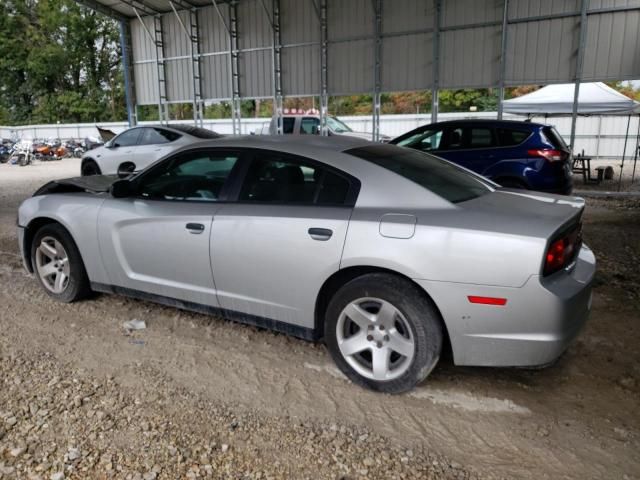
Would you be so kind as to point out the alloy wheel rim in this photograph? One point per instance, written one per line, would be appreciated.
(375, 339)
(52, 264)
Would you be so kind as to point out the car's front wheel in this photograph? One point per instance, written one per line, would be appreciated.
(383, 332)
(58, 265)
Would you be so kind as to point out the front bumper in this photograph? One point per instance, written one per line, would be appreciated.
(23, 252)
(537, 324)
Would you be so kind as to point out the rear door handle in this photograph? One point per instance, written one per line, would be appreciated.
(195, 227)
(321, 234)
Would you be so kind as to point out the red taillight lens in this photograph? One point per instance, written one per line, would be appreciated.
(548, 154)
(556, 256)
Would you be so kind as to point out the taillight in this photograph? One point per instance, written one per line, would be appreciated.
(548, 154)
(562, 251)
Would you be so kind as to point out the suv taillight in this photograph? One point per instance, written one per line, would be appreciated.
(549, 154)
(563, 250)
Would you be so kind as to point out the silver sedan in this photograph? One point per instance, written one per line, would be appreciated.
(386, 253)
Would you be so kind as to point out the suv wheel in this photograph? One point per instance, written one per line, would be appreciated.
(89, 167)
(383, 332)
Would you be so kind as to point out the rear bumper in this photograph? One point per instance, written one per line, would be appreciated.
(537, 324)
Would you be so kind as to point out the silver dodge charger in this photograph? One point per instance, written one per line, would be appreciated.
(386, 253)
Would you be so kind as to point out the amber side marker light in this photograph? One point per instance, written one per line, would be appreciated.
(499, 302)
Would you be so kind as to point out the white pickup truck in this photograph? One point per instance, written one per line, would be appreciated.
(309, 124)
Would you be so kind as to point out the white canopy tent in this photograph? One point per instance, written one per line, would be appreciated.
(593, 99)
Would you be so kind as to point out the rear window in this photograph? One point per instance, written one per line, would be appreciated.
(509, 137)
(196, 131)
(436, 175)
(555, 138)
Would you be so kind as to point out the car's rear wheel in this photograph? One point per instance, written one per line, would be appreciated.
(58, 265)
(89, 167)
(383, 332)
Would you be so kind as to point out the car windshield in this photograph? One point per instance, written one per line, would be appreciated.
(337, 125)
(436, 175)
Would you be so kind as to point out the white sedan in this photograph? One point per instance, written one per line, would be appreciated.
(140, 147)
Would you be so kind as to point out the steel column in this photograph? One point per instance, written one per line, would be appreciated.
(236, 113)
(377, 77)
(579, 63)
(194, 37)
(437, 5)
(276, 47)
(503, 58)
(163, 108)
(129, 90)
(636, 152)
(324, 69)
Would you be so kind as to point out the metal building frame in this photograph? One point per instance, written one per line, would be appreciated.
(505, 20)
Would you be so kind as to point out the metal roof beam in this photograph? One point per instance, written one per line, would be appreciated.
(99, 7)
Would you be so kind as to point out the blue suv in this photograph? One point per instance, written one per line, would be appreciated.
(512, 154)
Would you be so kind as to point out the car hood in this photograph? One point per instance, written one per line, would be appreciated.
(364, 136)
(93, 184)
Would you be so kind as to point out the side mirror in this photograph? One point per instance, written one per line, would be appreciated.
(125, 169)
(121, 189)
(110, 144)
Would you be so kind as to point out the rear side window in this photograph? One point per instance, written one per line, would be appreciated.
(157, 136)
(288, 124)
(309, 125)
(480, 137)
(509, 137)
(436, 175)
(274, 178)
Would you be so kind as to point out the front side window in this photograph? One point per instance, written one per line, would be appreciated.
(427, 140)
(436, 175)
(195, 176)
(309, 126)
(127, 139)
(275, 178)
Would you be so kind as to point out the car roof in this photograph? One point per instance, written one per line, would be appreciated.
(489, 121)
(337, 143)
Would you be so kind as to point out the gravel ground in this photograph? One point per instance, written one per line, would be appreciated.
(193, 396)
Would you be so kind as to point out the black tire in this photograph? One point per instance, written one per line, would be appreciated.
(419, 312)
(89, 167)
(512, 183)
(78, 286)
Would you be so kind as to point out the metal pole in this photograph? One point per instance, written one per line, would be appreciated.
(235, 76)
(597, 156)
(194, 37)
(163, 112)
(377, 78)
(324, 46)
(624, 152)
(129, 92)
(437, 4)
(503, 58)
(579, 62)
(276, 63)
(637, 151)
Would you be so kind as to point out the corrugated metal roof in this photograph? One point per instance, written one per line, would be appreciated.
(542, 42)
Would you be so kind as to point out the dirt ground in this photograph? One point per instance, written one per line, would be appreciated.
(195, 396)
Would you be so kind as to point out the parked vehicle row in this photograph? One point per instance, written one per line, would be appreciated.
(389, 254)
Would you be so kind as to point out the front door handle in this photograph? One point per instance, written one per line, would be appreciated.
(321, 234)
(195, 227)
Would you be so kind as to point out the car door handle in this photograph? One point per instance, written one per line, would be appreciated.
(322, 234)
(195, 227)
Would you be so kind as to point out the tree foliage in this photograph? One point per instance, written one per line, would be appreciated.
(59, 61)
